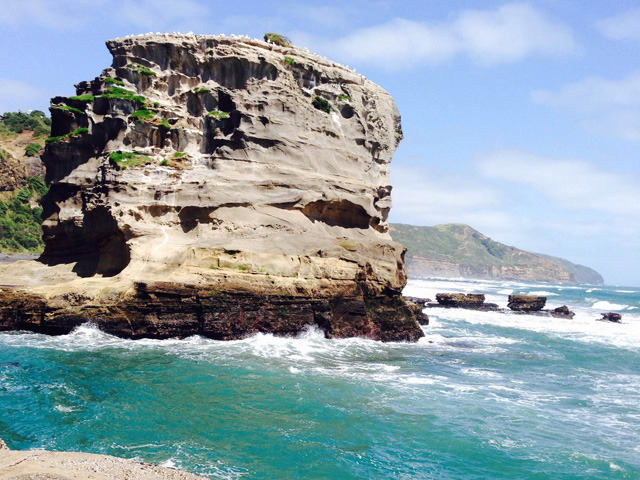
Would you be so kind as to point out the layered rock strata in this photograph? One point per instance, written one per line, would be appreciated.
(198, 185)
(526, 303)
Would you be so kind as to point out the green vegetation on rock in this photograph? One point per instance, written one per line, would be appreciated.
(83, 98)
(343, 96)
(113, 81)
(20, 224)
(321, 104)
(164, 124)
(218, 115)
(198, 90)
(77, 131)
(129, 159)
(143, 114)
(289, 60)
(67, 108)
(277, 39)
(123, 94)
(136, 67)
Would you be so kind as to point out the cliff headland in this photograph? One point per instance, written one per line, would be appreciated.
(457, 250)
(219, 186)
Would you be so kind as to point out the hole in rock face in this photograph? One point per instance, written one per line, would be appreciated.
(225, 102)
(347, 111)
(98, 246)
(190, 217)
(342, 213)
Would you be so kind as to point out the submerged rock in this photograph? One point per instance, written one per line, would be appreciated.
(195, 188)
(526, 303)
(562, 312)
(611, 317)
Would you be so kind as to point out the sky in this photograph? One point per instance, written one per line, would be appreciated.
(521, 119)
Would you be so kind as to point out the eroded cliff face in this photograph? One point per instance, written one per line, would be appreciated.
(202, 163)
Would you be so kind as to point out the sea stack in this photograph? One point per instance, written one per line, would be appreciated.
(219, 186)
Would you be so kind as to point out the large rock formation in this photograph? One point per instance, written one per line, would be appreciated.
(457, 250)
(201, 185)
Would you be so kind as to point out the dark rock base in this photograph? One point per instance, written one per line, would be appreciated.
(165, 310)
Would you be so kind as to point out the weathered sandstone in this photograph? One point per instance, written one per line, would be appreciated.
(200, 191)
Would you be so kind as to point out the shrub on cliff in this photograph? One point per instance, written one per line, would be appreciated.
(32, 149)
(321, 104)
(277, 39)
(20, 224)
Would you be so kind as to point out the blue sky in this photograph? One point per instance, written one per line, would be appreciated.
(521, 119)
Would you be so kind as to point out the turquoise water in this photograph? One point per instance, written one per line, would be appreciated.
(482, 396)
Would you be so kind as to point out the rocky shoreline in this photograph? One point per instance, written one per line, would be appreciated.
(45, 465)
(517, 304)
(166, 310)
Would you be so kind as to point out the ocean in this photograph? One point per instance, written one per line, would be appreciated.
(485, 395)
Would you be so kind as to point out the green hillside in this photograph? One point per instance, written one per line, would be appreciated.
(477, 255)
(22, 137)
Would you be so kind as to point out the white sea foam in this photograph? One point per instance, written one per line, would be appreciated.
(64, 409)
(604, 305)
(543, 293)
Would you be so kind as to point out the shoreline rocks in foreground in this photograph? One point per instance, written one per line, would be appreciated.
(39, 464)
(219, 186)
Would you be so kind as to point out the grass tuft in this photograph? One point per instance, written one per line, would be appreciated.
(321, 104)
(218, 115)
(278, 39)
(123, 94)
(77, 131)
(129, 159)
(113, 81)
(83, 98)
(143, 114)
(289, 60)
(68, 108)
(136, 67)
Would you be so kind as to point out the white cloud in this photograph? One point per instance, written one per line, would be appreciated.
(15, 95)
(608, 107)
(569, 184)
(625, 26)
(428, 197)
(512, 32)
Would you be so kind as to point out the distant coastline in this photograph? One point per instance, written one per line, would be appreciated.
(459, 251)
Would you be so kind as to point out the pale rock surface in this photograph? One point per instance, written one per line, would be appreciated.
(43, 465)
